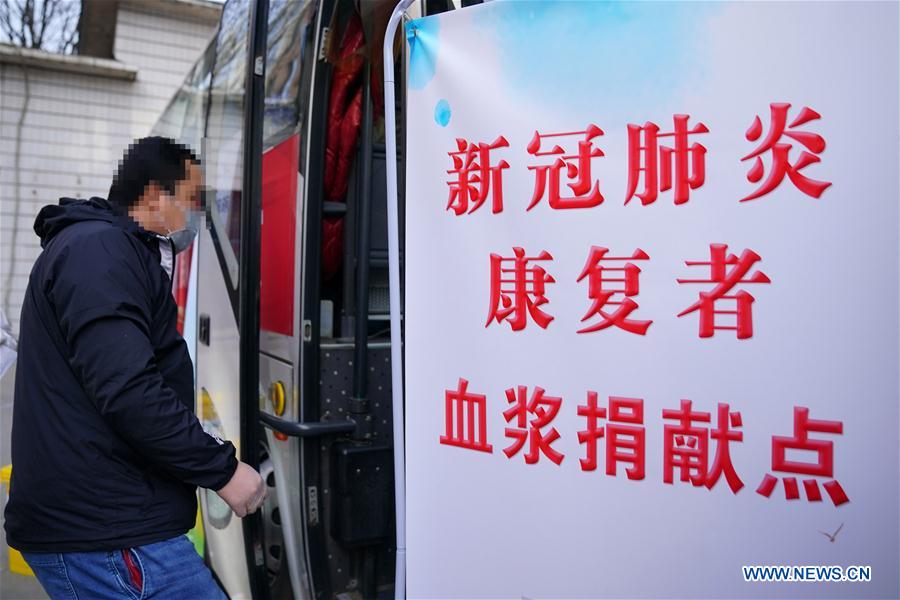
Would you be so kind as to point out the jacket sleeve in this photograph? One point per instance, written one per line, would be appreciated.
(101, 293)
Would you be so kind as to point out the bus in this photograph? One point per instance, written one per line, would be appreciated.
(283, 297)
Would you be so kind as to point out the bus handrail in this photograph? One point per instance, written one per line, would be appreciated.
(306, 430)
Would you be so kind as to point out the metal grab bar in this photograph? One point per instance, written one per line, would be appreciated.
(306, 430)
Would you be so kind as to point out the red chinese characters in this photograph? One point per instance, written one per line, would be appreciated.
(475, 177)
(606, 284)
(624, 434)
(780, 162)
(724, 434)
(465, 419)
(686, 446)
(699, 448)
(823, 467)
(679, 166)
(726, 271)
(517, 290)
(544, 409)
(585, 190)
(688, 440)
(653, 166)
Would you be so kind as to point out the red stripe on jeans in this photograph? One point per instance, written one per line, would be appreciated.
(133, 571)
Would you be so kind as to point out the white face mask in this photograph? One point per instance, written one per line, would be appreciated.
(182, 238)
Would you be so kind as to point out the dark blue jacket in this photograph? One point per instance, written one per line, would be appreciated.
(107, 452)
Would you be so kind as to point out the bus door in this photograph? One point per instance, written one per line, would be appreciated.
(219, 284)
(324, 366)
(333, 442)
(250, 258)
(293, 35)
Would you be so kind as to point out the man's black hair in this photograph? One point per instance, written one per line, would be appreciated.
(148, 159)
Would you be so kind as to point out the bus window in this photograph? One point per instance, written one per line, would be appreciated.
(288, 43)
(185, 116)
(225, 133)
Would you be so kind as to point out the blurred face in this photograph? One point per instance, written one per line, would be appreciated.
(163, 212)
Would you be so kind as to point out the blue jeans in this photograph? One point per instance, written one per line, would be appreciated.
(161, 570)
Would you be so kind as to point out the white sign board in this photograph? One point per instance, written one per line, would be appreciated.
(652, 300)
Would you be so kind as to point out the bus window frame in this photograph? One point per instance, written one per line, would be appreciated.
(227, 254)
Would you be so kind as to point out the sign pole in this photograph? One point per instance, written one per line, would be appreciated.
(390, 139)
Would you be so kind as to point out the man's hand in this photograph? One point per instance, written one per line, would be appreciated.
(245, 492)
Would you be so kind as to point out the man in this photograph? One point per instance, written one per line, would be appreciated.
(107, 452)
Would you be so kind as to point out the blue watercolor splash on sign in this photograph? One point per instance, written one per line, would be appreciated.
(442, 112)
(424, 43)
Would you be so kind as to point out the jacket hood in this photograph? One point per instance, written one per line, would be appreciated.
(53, 218)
